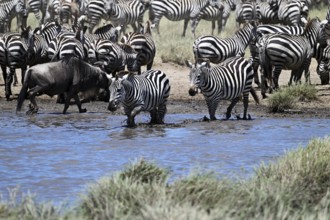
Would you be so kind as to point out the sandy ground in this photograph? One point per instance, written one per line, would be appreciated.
(181, 102)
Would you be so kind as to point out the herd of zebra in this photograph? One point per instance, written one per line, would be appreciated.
(279, 34)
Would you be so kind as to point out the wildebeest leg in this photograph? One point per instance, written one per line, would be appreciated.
(231, 106)
(77, 100)
(33, 107)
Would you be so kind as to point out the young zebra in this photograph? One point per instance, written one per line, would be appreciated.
(226, 81)
(143, 44)
(9, 9)
(217, 50)
(146, 92)
(123, 14)
(176, 10)
(284, 51)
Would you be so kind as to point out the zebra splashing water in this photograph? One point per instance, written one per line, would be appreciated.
(146, 92)
(226, 81)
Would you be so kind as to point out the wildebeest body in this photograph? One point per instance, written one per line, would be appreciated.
(70, 77)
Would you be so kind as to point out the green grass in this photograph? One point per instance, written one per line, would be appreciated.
(295, 186)
(287, 97)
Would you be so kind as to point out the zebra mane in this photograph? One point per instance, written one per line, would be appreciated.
(310, 23)
(104, 29)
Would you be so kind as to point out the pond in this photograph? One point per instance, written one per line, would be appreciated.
(56, 156)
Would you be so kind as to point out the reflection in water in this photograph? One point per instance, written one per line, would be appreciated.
(56, 155)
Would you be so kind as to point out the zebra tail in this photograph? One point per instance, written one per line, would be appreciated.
(254, 95)
(23, 93)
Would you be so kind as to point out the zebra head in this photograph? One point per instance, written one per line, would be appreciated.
(117, 91)
(196, 72)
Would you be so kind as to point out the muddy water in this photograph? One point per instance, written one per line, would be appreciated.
(56, 156)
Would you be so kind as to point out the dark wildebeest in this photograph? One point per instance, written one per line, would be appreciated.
(69, 76)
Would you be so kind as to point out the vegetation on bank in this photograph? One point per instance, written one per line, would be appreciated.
(295, 186)
(286, 98)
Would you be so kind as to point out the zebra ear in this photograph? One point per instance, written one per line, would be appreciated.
(189, 64)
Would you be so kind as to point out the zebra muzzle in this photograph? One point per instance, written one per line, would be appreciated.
(193, 91)
(112, 106)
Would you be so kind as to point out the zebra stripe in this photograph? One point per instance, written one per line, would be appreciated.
(285, 51)
(177, 10)
(246, 12)
(225, 81)
(217, 50)
(323, 69)
(267, 12)
(144, 45)
(146, 92)
(64, 46)
(95, 11)
(293, 12)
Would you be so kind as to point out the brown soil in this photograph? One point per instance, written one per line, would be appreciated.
(181, 102)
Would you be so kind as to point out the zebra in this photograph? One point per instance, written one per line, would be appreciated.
(95, 10)
(323, 69)
(225, 81)
(146, 92)
(285, 51)
(143, 44)
(267, 12)
(217, 49)
(122, 14)
(176, 10)
(245, 12)
(213, 14)
(36, 6)
(113, 57)
(18, 51)
(265, 29)
(228, 6)
(292, 12)
(9, 9)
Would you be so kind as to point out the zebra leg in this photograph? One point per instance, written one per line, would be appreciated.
(277, 72)
(162, 109)
(246, 105)
(185, 25)
(4, 73)
(231, 106)
(212, 107)
(9, 81)
(154, 116)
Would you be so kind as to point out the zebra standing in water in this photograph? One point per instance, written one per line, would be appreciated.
(217, 50)
(123, 14)
(176, 10)
(9, 9)
(284, 51)
(226, 81)
(146, 92)
(143, 44)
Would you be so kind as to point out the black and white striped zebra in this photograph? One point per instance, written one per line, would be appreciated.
(293, 12)
(225, 81)
(113, 57)
(217, 49)
(95, 10)
(267, 12)
(9, 9)
(18, 51)
(284, 51)
(146, 92)
(213, 14)
(246, 12)
(323, 69)
(143, 44)
(177, 10)
(37, 6)
(128, 13)
(228, 7)
(263, 30)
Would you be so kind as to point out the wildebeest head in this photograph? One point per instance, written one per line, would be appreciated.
(117, 91)
(196, 72)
